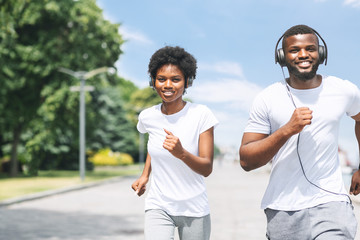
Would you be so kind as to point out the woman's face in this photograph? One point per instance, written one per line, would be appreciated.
(170, 83)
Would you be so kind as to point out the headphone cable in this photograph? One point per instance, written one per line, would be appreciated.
(297, 148)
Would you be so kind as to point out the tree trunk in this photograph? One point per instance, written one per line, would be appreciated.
(14, 164)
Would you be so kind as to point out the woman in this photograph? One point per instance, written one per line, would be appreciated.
(180, 151)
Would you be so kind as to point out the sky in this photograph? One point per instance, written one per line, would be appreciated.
(234, 44)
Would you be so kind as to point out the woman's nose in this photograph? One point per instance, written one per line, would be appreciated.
(168, 83)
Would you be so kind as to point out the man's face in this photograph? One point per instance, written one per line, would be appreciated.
(302, 56)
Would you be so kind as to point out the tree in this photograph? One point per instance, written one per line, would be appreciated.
(112, 127)
(36, 38)
(141, 99)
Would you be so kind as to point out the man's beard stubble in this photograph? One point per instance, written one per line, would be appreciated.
(301, 75)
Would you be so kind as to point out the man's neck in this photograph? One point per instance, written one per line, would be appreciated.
(304, 84)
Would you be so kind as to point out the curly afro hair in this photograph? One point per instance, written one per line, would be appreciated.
(176, 56)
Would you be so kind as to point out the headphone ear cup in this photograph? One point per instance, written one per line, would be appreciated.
(322, 54)
(151, 82)
(189, 82)
(280, 57)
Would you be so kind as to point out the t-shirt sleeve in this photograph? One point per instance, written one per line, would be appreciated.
(140, 126)
(208, 120)
(354, 106)
(258, 121)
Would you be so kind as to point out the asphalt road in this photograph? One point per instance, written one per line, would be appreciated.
(112, 211)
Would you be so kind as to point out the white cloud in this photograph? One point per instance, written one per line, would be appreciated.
(352, 3)
(229, 131)
(236, 93)
(229, 95)
(230, 68)
(138, 81)
(134, 35)
(235, 90)
(106, 15)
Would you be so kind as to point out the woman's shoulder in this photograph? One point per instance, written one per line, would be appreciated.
(197, 107)
(149, 111)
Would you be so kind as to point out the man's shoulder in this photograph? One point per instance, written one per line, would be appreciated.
(193, 105)
(336, 82)
(273, 88)
(327, 78)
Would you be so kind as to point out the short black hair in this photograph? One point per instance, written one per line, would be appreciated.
(298, 29)
(175, 56)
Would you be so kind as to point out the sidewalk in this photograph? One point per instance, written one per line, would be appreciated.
(112, 211)
(235, 197)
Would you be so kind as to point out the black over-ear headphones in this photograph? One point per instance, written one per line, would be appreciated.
(280, 55)
(188, 82)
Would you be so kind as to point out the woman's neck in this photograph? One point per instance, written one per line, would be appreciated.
(169, 108)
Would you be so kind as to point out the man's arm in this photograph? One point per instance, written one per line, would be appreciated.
(355, 181)
(257, 149)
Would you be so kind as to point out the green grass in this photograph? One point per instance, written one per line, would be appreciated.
(53, 179)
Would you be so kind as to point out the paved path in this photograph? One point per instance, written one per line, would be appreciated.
(112, 211)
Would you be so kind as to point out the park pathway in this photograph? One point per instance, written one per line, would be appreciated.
(112, 211)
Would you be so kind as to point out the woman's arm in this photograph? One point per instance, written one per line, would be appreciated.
(201, 164)
(139, 186)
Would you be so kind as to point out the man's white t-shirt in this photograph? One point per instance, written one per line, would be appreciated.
(288, 188)
(175, 187)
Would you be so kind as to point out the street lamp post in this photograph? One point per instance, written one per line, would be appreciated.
(82, 76)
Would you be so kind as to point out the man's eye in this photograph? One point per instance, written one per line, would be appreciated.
(161, 79)
(176, 79)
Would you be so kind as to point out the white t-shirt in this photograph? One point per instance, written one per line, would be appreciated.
(288, 189)
(175, 187)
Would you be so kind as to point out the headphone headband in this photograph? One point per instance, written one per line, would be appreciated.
(280, 55)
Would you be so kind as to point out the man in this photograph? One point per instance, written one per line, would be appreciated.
(295, 125)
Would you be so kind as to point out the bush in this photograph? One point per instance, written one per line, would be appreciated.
(106, 157)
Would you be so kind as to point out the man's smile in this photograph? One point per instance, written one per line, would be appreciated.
(304, 64)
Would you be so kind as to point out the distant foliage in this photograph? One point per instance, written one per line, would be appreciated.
(39, 114)
(106, 157)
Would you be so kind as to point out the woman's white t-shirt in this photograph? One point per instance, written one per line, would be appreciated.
(175, 187)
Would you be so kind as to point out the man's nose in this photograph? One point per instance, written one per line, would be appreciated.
(303, 53)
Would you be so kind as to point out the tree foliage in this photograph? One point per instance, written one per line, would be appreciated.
(141, 99)
(39, 115)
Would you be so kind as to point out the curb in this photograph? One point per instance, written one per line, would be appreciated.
(48, 193)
